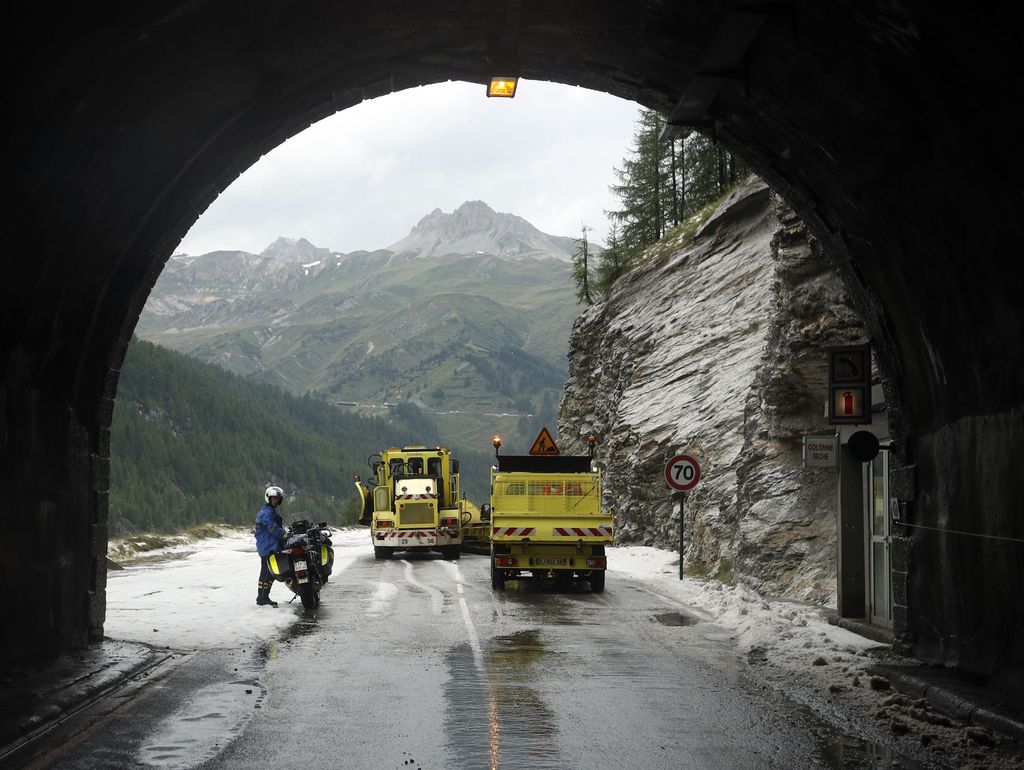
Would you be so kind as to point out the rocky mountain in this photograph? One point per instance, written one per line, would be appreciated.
(479, 339)
(302, 251)
(475, 228)
(715, 349)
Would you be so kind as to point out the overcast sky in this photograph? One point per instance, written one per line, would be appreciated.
(363, 177)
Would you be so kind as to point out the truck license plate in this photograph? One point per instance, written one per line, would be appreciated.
(550, 562)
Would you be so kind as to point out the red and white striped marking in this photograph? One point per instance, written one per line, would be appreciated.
(416, 497)
(418, 537)
(514, 531)
(603, 531)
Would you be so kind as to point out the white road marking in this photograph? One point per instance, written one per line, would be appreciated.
(437, 598)
(474, 641)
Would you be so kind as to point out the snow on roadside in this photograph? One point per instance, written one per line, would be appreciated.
(202, 595)
(789, 642)
(793, 647)
(786, 630)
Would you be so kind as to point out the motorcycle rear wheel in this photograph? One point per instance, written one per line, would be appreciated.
(309, 596)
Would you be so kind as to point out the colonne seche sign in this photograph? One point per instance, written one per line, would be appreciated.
(821, 451)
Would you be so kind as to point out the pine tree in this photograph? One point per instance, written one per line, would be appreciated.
(660, 185)
(643, 186)
(611, 263)
(581, 268)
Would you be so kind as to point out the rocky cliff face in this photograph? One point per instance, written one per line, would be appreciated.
(716, 350)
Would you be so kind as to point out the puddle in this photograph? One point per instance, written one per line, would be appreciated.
(537, 603)
(204, 727)
(841, 750)
(496, 718)
(844, 751)
(306, 626)
(676, 619)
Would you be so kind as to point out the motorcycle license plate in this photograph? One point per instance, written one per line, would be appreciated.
(299, 565)
(550, 562)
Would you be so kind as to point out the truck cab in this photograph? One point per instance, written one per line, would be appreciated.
(412, 502)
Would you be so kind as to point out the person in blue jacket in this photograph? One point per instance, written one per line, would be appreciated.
(269, 539)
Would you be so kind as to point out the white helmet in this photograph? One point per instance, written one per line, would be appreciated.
(273, 492)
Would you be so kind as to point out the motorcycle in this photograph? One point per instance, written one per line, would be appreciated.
(306, 561)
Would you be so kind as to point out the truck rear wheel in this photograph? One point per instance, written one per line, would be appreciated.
(497, 577)
(380, 552)
(597, 581)
(451, 552)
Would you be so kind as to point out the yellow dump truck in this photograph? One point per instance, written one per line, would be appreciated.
(412, 502)
(546, 520)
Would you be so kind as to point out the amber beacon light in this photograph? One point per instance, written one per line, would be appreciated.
(503, 86)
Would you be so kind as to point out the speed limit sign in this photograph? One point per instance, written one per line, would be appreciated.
(682, 472)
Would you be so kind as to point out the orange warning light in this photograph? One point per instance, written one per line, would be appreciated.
(503, 86)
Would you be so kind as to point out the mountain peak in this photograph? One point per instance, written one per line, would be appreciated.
(474, 227)
(288, 250)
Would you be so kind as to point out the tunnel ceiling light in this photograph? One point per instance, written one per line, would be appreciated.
(503, 86)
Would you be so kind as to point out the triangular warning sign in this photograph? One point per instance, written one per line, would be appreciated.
(544, 444)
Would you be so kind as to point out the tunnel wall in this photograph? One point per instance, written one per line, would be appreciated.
(890, 128)
(54, 565)
(956, 574)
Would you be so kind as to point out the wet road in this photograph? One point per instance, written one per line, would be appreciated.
(416, 663)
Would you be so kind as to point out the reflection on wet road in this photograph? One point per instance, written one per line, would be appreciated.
(416, 663)
(518, 729)
(199, 731)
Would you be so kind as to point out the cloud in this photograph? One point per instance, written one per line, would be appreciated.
(362, 178)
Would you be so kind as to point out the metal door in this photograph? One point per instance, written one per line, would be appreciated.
(879, 592)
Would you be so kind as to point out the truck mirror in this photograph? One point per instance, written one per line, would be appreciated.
(455, 466)
(485, 512)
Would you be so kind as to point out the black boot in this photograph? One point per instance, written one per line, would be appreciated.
(263, 597)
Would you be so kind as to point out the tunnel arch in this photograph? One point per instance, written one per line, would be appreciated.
(132, 120)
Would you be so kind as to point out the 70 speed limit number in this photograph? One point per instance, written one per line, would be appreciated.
(682, 473)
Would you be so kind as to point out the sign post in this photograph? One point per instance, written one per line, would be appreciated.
(682, 473)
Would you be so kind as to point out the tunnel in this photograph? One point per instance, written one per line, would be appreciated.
(889, 126)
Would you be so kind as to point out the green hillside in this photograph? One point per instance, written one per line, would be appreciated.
(463, 338)
(192, 443)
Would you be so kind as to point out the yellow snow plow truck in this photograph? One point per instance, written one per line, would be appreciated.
(546, 518)
(412, 502)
